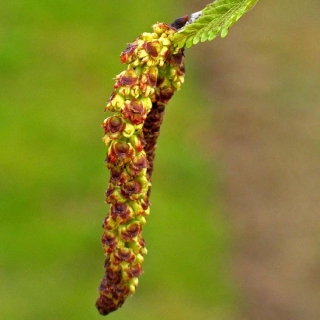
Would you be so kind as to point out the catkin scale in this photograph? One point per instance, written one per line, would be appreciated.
(155, 71)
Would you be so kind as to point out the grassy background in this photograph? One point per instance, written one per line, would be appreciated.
(57, 61)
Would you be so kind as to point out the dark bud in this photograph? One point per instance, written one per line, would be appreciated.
(180, 22)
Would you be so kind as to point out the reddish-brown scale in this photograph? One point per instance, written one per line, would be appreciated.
(109, 240)
(114, 124)
(115, 196)
(152, 48)
(120, 290)
(129, 78)
(111, 158)
(113, 277)
(110, 190)
(135, 111)
(128, 53)
(124, 254)
(131, 188)
(106, 226)
(104, 285)
(120, 150)
(138, 164)
(160, 81)
(120, 211)
(118, 175)
(145, 203)
(112, 194)
(166, 94)
(131, 231)
(177, 60)
(105, 305)
(134, 271)
(142, 242)
(109, 249)
(151, 79)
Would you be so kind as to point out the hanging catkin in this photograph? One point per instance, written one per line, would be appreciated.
(155, 71)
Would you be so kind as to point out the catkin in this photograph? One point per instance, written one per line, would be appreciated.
(155, 70)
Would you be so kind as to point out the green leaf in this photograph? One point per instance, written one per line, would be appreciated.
(215, 18)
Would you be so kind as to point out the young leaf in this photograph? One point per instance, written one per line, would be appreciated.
(215, 18)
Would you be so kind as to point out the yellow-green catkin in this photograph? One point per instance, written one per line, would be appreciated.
(154, 72)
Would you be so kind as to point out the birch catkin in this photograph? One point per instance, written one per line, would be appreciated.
(155, 71)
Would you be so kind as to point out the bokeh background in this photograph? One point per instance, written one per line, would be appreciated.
(235, 219)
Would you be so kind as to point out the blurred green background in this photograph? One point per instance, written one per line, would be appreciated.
(57, 63)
